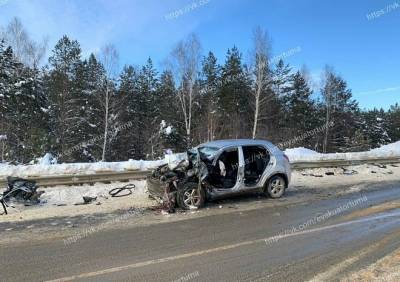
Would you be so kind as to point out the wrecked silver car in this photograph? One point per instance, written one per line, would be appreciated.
(218, 169)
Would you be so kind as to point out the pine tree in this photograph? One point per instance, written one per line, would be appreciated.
(126, 146)
(210, 84)
(376, 128)
(233, 98)
(149, 116)
(23, 109)
(167, 100)
(170, 115)
(62, 95)
(88, 83)
(342, 111)
(300, 115)
(138, 91)
(281, 78)
(394, 122)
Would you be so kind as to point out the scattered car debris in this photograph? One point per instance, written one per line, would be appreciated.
(349, 171)
(88, 199)
(312, 174)
(127, 188)
(4, 207)
(329, 173)
(20, 190)
(380, 165)
(164, 212)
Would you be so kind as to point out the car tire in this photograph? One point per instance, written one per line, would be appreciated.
(189, 196)
(275, 187)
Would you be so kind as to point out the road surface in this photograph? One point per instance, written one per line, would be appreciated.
(320, 239)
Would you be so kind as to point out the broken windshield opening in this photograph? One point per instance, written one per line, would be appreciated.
(207, 152)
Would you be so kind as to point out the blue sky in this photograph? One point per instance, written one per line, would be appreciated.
(364, 51)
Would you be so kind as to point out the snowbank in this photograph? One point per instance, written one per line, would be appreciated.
(303, 154)
(298, 153)
(75, 168)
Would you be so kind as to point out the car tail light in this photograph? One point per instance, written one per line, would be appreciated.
(286, 157)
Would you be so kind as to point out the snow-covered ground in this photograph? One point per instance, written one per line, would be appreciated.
(296, 154)
(60, 201)
(303, 154)
(354, 177)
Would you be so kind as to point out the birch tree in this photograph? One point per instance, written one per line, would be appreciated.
(26, 50)
(109, 59)
(261, 73)
(185, 64)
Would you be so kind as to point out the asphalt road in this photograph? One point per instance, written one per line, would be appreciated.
(235, 246)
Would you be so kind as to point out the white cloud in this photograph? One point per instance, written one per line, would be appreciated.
(378, 91)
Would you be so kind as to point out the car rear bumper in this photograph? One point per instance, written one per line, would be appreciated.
(288, 172)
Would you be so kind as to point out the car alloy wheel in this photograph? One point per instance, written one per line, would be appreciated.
(191, 196)
(276, 187)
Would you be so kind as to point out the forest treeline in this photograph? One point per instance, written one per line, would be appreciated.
(89, 109)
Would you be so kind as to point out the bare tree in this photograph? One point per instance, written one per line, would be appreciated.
(185, 63)
(109, 59)
(25, 49)
(261, 71)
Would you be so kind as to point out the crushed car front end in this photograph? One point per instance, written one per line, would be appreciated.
(178, 183)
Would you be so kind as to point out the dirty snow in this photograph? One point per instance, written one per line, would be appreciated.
(385, 269)
(61, 200)
(355, 177)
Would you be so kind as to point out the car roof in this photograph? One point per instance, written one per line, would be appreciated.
(236, 142)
